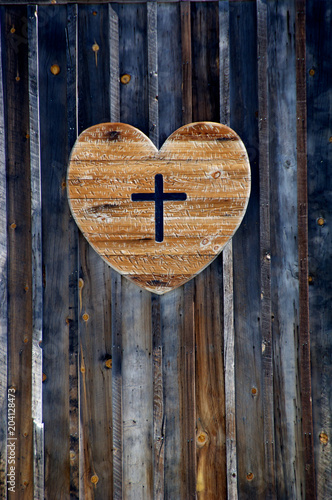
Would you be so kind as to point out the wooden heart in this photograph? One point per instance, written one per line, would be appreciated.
(158, 217)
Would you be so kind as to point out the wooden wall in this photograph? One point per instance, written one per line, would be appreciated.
(221, 388)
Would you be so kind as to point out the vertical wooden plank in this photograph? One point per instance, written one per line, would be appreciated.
(157, 351)
(205, 61)
(134, 63)
(114, 66)
(95, 320)
(137, 383)
(169, 69)
(153, 72)
(4, 276)
(319, 105)
(186, 373)
(187, 104)
(71, 57)
(227, 259)
(302, 201)
(56, 246)
(265, 251)
(210, 390)
(171, 304)
(248, 346)
(37, 272)
(187, 334)
(19, 243)
(116, 282)
(284, 255)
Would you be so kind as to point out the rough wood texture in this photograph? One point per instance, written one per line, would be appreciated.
(248, 346)
(19, 247)
(265, 252)
(54, 148)
(95, 279)
(284, 264)
(3, 283)
(206, 162)
(221, 71)
(318, 38)
(37, 270)
(302, 200)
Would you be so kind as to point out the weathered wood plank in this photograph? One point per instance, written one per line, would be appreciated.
(285, 306)
(95, 277)
(187, 101)
(186, 370)
(171, 304)
(157, 350)
(19, 243)
(52, 41)
(169, 69)
(187, 381)
(153, 72)
(116, 280)
(133, 58)
(71, 56)
(4, 275)
(243, 105)
(209, 365)
(302, 201)
(319, 111)
(205, 61)
(137, 384)
(265, 252)
(210, 388)
(227, 259)
(137, 393)
(37, 271)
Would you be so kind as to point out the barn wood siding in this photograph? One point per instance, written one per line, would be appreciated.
(192, 392)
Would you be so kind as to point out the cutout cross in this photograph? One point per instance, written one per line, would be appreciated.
(159, 197)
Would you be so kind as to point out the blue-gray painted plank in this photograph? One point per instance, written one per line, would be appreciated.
(95, 322)
(3, 279)
(319, 77)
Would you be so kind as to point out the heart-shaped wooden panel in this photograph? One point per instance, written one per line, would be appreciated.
(158, 217)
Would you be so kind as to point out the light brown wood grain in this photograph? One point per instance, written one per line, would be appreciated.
(112, 161)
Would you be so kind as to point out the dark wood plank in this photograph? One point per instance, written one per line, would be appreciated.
(37, 269)
(205, 61)
(171, 304)
(19, 243)
(95, 276)
(248, 346)
(4, 274)
(169, 69)
(285, 306)
(187, 335)
(137, 383)
(187, 379)
(187, 104)
(302, 201)
(318, 75)
(56, 248)
(133, 56)
(265, 252)
(71, 51)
